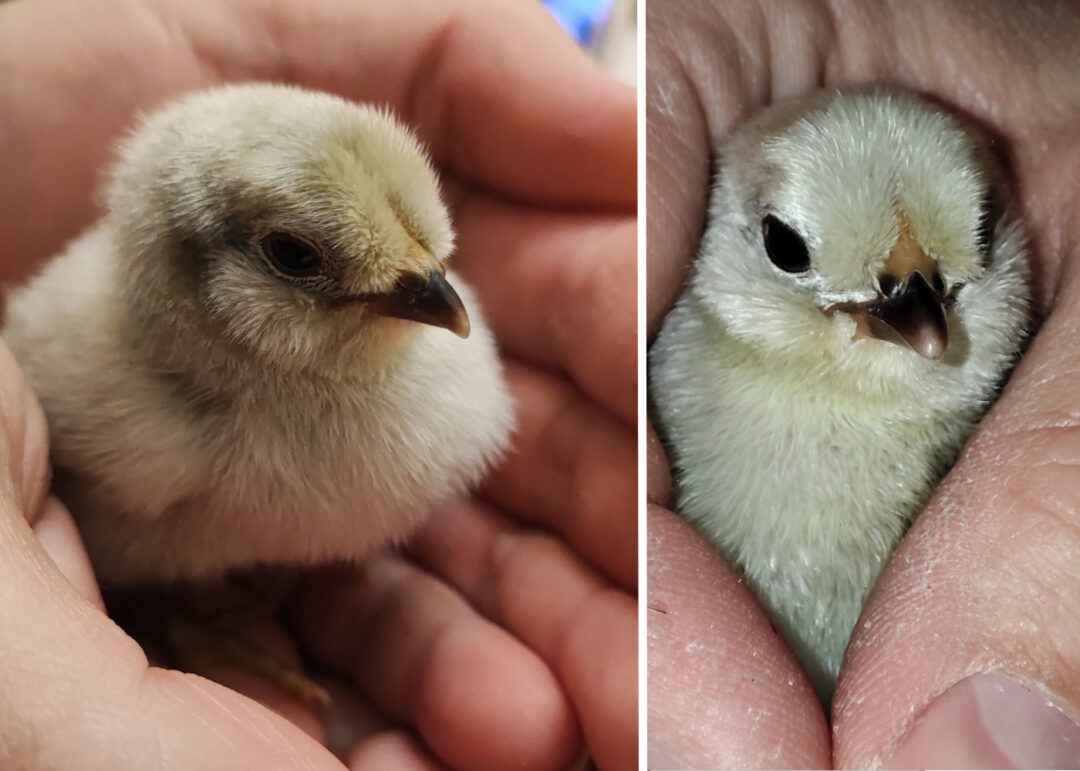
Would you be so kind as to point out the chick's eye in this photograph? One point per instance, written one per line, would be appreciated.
(291, 256)
(785, 247)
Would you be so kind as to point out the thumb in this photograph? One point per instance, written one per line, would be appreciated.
(73, 676)
(724, 690)
(973, 631)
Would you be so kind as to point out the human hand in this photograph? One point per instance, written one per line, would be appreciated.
(981, 583)
(508, 635)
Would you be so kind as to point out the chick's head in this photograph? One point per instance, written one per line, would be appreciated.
(293, 222)
(861, 231)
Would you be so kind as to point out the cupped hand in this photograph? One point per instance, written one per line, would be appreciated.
(506, 634)
(984, 584)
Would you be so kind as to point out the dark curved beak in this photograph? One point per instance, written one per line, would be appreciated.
(425, 299)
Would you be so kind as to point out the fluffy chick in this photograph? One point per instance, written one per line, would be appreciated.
(256, 356)
(860, 293)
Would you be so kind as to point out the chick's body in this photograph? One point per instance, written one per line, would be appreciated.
(244, 361)
(857, 300)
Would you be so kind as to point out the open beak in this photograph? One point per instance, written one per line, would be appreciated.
(427, 299)
(914, 312)
(915, 318)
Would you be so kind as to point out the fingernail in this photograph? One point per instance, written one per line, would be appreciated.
(661, 759)
(990, 721)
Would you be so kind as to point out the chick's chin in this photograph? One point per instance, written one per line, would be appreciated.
(817, 355)
(781, 329)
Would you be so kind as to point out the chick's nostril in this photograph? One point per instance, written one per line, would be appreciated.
(888, 285)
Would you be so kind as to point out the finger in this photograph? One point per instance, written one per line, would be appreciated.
(147, 716)
(56, 532)
(724, 690)
(26, 436)
(496, 112)
(26, 440)
(266, 636)
(504, 118)
(707, 69)
(677, 168)
(657, 468)
(422, 656)
(985, 582)
(530, 583)
(392, 749)
(559, 290)
(150, 716)
(573, 469)
(350, 719)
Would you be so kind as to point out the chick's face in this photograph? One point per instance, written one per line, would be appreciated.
(325, 251)
(849, 234)
(304, 221)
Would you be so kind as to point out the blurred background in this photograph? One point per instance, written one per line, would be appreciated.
(605, 28)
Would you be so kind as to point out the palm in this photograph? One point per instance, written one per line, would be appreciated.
(913, 641)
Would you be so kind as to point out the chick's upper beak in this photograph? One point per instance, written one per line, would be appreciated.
(912, 310)
(427, 299)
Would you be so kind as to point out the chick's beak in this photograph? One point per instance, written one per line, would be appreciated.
(427, 299)
(915, 318)
(912, 309)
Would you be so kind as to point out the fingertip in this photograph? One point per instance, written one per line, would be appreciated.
(525, 723)
(391, 749)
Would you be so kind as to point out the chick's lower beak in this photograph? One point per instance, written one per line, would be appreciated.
(426, 299)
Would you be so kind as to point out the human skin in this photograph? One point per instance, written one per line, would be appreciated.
(506, 635)
(985, 581)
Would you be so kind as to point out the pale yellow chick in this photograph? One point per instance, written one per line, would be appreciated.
(860, 293)
(257, 355)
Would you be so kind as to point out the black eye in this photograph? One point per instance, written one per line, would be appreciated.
(291, 256)
(990, 211)
(785, 247)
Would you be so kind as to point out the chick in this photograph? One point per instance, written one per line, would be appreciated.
(860, 293)
(257, 356)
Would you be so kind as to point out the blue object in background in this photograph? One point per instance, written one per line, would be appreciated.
(581, 18)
